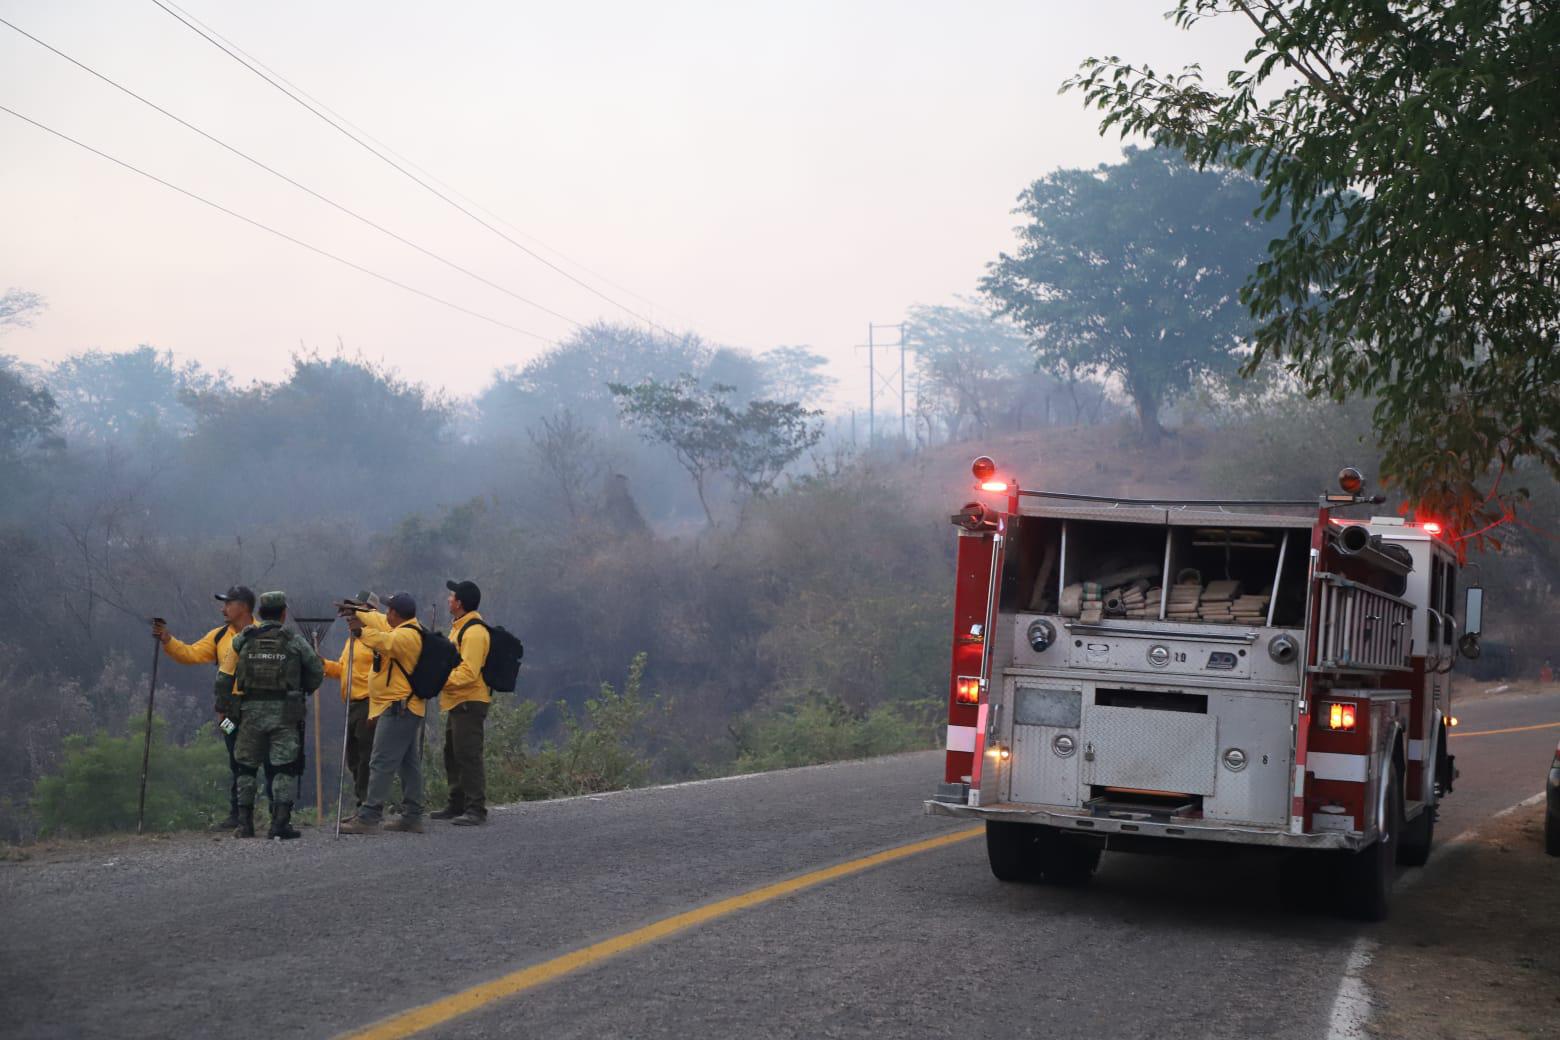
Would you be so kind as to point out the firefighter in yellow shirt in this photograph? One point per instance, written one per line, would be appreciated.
(216, 646)
(397, 716)
(464, 702)
(360, 728)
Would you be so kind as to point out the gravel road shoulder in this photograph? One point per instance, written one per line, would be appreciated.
(1473, 950)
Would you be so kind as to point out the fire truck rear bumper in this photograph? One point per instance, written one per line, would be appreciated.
(1084, 822)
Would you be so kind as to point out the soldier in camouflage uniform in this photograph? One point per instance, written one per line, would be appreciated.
(276, 670)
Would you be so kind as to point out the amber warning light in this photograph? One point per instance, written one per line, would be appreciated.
(966, 689)
(1340, 716)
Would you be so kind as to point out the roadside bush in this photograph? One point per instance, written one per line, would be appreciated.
(97, 786)
(599, 751)
(824, 729)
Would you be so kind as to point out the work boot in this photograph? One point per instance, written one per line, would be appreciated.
(406, 824)
(228, 824)
(246, 822)
(449, 812)
(470, 818)
(358, 825)
(281, 822)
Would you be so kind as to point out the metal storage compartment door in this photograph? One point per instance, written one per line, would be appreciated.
(1150, 750)
(1040, 775)
(1262, 727)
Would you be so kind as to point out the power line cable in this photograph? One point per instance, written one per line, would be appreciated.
(554, 250)
(407, 173)
(279, 234)
(301, 187)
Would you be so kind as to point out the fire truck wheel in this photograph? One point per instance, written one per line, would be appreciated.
(1298, 889)
(1068, 861)
(1417, 834)
(1369, 873)
(1014, 850)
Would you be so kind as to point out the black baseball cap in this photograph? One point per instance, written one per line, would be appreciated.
(403, 604)
(467, 592)
(241, 593)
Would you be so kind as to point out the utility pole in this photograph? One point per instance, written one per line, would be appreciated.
(890, 384)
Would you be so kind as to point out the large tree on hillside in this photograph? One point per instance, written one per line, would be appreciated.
(1134, 270)
(29, 416)
(1414, 150)
(710, 432)
(133, 393)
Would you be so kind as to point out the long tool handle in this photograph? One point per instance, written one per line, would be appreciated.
(346, 726)
(319, 776)
(146, 752)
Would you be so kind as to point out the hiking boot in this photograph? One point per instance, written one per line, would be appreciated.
(449, 812)
(281, 823)
(228, 824)
(246, 822)
(406, 824)
(358, 825)
(470, 818)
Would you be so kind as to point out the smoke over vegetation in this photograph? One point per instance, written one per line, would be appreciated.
(709, 573)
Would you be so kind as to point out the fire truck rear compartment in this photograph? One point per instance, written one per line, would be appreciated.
(1132, 753)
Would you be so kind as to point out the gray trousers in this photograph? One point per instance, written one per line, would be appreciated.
(395, 752)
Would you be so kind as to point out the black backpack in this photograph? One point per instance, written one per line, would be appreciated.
(438, 659)
(501, 671)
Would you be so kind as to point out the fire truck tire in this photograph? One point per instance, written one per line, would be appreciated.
(1369, 873)
(1013, 850)
(1068, 861)
(1417, 836)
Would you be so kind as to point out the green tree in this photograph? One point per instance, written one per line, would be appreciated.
(795, 374)
(29, 415)
(1414, 150)
(1134, 270)
(136, 393)
(708, 434)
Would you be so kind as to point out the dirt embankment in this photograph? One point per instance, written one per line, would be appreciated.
(1473, 950)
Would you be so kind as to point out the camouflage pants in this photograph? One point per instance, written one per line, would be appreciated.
(266, 735)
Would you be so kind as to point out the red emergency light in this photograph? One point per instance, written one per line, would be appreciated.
(993, 485)
(1341, 717)
(983, 468)
(966, 689)
(1432, 528)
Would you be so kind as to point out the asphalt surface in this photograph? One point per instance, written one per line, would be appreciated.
(225, 938)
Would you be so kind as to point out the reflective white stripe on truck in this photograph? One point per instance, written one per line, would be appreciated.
(961, 738)
(1326, 765)
(1416, 751)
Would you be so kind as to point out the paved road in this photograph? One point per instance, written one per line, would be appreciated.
(314, 938)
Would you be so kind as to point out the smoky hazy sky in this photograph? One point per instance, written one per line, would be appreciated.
(759, 173)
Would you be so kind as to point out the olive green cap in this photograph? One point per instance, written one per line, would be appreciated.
(273, 600)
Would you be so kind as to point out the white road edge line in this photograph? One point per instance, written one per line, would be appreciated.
(704, 782)
(1352, 1005)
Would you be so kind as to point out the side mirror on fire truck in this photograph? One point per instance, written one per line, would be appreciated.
(1473, 621)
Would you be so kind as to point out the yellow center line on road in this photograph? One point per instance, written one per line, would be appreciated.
(1508, 729)
(418, 1019)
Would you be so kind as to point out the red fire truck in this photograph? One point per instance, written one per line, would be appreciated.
(1133, 674)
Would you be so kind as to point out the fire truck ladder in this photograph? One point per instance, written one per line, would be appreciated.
(1362, 629)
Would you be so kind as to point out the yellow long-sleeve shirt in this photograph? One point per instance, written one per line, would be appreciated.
(465, 682)
(215, 646)
(362, 669)
(207, 649)
(362, 658)
(398, 650)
